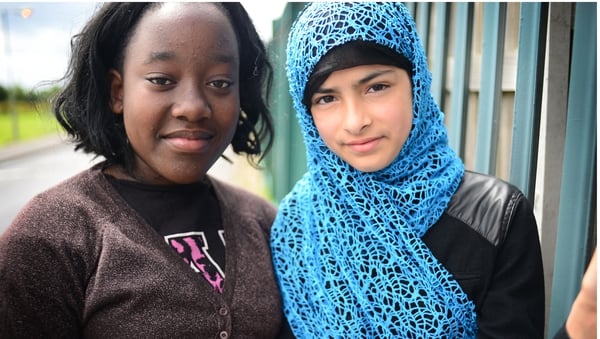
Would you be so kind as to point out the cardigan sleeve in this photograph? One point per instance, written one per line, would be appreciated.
(41, 278)
(514, 302)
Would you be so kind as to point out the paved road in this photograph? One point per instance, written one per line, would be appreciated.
(24, 176)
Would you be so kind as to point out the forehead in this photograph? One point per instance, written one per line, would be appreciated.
(199, 27)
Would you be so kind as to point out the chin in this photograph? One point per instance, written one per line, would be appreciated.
(367, 168)
(369, 164)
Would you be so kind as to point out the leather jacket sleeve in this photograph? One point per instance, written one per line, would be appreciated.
(488, 240)
(513, 305)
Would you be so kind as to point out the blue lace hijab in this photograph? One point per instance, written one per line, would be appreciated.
(346, 244)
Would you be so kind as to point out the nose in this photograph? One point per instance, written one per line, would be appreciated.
(191, 104)
(356, 117)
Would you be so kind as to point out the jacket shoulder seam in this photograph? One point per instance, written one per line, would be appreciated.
(486, 204)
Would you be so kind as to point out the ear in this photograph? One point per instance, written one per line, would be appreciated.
(116, 91)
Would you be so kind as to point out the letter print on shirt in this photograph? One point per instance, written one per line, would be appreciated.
(194, 249)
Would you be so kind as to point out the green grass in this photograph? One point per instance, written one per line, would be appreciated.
(32, 123)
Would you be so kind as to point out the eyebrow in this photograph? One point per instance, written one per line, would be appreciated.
(362, 81)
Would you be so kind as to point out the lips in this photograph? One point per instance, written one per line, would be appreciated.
(363, 145)
(188, 134)
(189, 141)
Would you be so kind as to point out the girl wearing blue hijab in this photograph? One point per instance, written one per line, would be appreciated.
(387, 235)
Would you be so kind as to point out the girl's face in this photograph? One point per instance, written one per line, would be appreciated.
(178, 91)
(364, 114)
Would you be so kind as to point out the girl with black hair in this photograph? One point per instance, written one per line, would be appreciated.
(387, 235)
(145, 244)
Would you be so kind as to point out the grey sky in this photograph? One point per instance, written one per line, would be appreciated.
(40, 45)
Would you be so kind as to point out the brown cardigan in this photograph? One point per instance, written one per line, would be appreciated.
(79, 262)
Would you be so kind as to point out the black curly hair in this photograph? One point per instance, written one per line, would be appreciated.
(82, 106)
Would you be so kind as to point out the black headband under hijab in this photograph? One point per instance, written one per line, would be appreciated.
(352, 54)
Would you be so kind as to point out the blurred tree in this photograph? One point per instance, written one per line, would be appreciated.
(3, 93)
(28, 95)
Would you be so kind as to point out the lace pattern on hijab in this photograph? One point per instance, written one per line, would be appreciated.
(346, 244)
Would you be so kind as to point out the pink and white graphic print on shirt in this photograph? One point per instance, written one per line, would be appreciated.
(194, 250)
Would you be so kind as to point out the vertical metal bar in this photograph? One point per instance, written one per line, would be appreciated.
(11, 87)
(494, 18)
(287, 159)
(528, 92)
(460, 82)
(411, 8)
(441, 52)
(552, 141)
(577, 180)
(422, 22)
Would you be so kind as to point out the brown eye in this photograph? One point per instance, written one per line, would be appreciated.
(324, 99)
(378, 87)
(161, 81)
(221, 84)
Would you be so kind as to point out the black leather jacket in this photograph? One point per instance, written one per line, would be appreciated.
(488, 239)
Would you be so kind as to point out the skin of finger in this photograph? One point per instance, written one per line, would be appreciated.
(582, 320)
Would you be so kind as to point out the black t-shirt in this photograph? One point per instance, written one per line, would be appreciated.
(189, 219)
